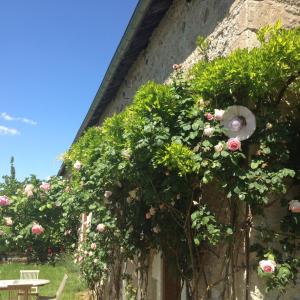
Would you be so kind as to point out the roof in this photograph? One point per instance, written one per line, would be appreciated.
(146, 17)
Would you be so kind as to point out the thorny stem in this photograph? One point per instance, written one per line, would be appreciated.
(247, 250)
(275, 232)
(289, 81)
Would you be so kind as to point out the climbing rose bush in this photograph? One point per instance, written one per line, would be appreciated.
(159, 174)
(35, 220)
(163, 176)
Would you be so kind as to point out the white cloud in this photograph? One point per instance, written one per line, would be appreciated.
(8, 131)
(7, 117)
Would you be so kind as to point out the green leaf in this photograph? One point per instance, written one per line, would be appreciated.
(224, 153)
(229, 231)
(196, 241)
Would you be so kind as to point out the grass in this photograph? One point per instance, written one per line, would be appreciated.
(55, 274)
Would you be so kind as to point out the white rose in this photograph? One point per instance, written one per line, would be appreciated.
(29, 190)
(101, 227)
(208, 131)
(8, 221)
(132, 193)
(269, 126)
(219, 114)
(107, 194)
(77, 165)
(156, 229)
(152, 211)
(294, 206)
(219, 147)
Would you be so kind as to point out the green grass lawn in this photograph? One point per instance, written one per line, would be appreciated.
(55, 274)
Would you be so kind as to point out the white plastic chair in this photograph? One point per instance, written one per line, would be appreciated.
(31, 274)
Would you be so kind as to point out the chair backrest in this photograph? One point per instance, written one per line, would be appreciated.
(61, 287)
(29, 274)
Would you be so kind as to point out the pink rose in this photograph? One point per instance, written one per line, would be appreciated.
(4, 201)
(37, 229)
(77, 166)
(8, 221)
(101, 227)
(93, 246)
(148, 216)
(268, 266)
(107, 194)
(45, 186)
(209, 116)
(233, 144)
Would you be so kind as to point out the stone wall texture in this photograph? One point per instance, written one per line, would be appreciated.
(228, 24)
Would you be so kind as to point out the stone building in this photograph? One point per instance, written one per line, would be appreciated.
(163, 32)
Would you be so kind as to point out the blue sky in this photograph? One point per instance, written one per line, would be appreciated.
(53, 56)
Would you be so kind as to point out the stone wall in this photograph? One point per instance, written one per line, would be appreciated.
(229, 24)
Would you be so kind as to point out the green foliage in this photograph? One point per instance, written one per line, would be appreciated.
(177, 157)
(157, 158)
(256, 77)
(47, 209)
(206, 226)
(203, 45)
(86, 147)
